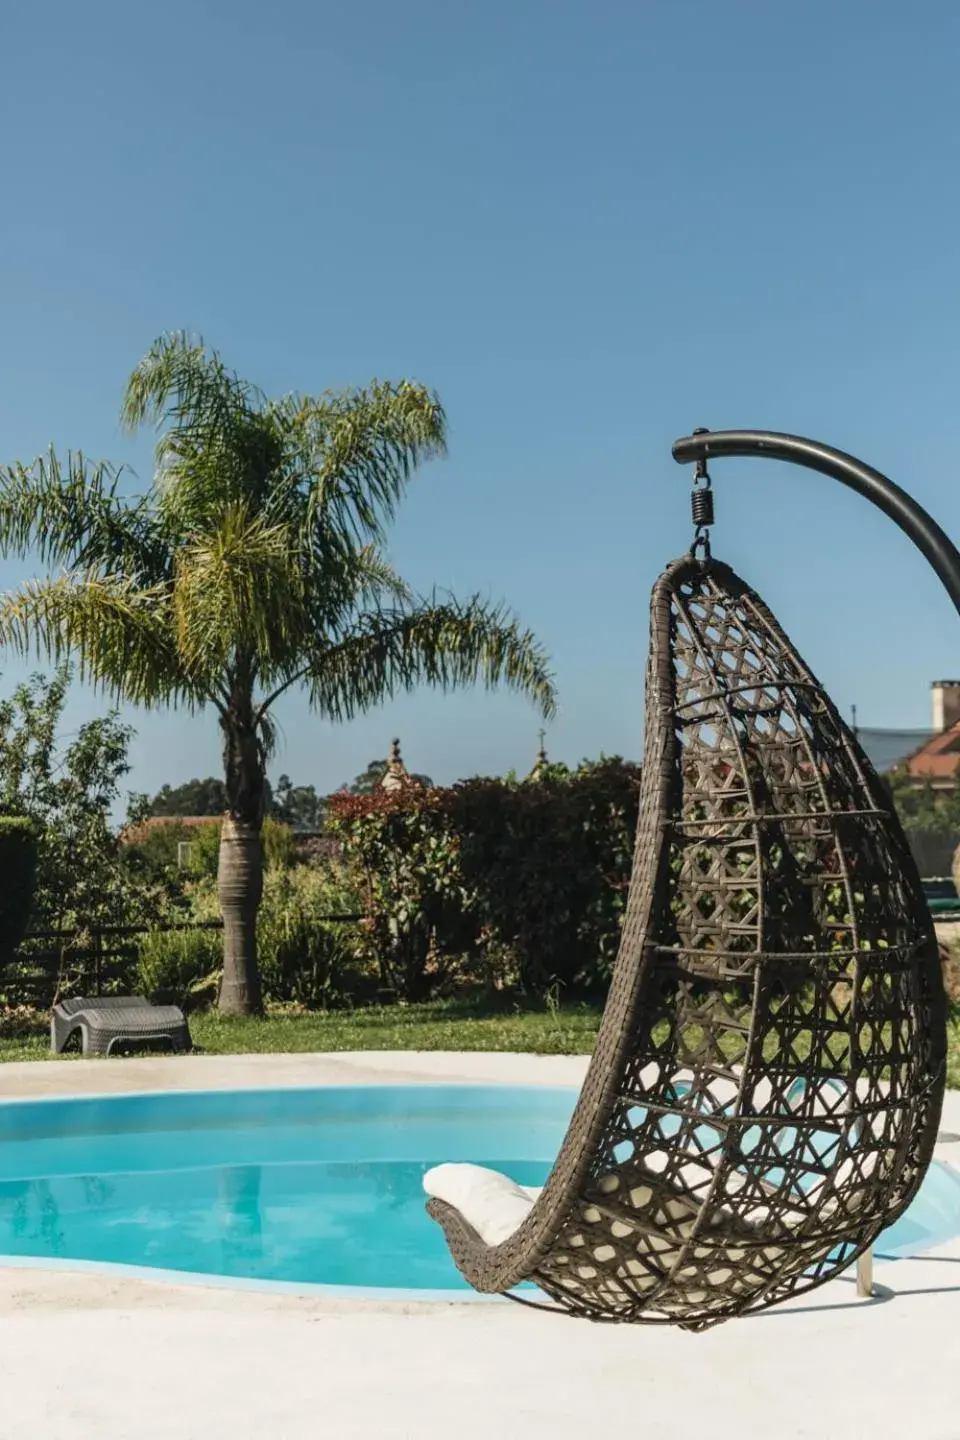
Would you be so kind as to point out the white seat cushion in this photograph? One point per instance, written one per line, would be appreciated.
(493, 1204)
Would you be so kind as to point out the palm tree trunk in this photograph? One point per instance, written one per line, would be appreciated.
(240, 886)
(240, 869)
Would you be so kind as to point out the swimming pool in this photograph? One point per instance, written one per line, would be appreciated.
(302, 1188)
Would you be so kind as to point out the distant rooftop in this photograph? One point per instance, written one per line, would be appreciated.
(887, 748)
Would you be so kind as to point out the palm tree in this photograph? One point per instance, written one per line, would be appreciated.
(252, 565)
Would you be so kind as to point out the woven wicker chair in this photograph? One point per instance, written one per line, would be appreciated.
(765, 1091)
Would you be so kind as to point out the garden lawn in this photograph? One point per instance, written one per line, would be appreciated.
(438, 1026)
(441, 1025)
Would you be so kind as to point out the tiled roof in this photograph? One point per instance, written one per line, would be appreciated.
(938, 758)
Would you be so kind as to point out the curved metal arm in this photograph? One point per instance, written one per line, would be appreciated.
(913, 520)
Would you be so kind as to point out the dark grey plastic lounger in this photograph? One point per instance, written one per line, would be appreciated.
(104, 1023)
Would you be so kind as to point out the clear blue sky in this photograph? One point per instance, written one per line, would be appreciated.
(591, 227)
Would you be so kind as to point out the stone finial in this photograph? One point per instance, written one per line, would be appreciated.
(395, 776)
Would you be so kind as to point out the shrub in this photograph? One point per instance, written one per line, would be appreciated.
(279, 847)
(304, 959)
(405, 852)
(180, 966)
(548, 863)
(18, 867)
(154, 851)
(517, 882)
(950, 965)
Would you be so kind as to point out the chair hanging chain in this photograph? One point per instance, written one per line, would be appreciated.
(701, 506)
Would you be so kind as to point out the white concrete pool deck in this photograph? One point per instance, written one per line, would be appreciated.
(122, 1359)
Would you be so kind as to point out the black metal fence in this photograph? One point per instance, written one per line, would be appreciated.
(91, 961)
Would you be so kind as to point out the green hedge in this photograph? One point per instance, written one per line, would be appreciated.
(18, 880)
(519, 883)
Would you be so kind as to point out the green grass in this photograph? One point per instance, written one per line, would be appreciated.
(438, 1026)
(442, 1025)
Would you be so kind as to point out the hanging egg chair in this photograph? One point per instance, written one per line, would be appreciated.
(765, 1090)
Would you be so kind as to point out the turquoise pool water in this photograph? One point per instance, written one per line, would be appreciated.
(303, 1187)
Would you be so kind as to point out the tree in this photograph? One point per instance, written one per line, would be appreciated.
(196, 797)
(67, 791)
(251, 566)
(298, 806)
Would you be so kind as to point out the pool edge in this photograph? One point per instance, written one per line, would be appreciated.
(946, 1151)
(203, 1281)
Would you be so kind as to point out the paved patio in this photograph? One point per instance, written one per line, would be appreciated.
(84, 1357)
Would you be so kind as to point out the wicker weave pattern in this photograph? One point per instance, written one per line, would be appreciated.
(766, 1087)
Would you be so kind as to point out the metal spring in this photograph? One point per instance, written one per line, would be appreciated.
(701, 504)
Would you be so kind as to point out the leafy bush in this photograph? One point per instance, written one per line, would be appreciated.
(512, 882)
(279, 847)
(68, 790)
(154, 852)
(548, 862)
(179, 966)
(406, 853)
(950, 966)
(304, 959)
(18, 867)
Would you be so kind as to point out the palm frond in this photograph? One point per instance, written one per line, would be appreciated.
(181, 384)
(447, 643)
(120, 636)
(267, 736)
(352, 454)
(73, 516)
(238, 590)
(346, 584)
(373, 580)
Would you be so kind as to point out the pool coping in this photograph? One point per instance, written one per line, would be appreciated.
(118, 1078)
(88, 1078)
(202, 1280)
